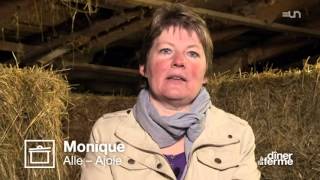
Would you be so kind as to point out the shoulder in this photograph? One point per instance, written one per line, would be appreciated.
(228, 118)
(107, 124)
(111, 120)
(230, 123)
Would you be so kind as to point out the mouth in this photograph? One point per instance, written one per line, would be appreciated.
(177, 77)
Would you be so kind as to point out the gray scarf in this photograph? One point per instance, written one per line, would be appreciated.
(167, 130)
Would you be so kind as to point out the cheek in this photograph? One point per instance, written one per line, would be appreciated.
(158, 69)
(198, 72)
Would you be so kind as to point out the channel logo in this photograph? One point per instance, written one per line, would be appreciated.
(39, 153)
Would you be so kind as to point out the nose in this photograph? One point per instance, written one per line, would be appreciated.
(178, 61)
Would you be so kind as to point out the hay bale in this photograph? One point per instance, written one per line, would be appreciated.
(283, 109)
(85, 109)
(32, 104)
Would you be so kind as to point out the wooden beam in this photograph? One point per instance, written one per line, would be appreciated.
(52, 55)
(235, 18)
(105, 69)
(64, 45)
(120, 33)
(97, 44)
(19, 49)
(125, 88)
(84, 36)
(228, 33)
(12, 46)
(91, 72)
(242, 58)
(28, 57)
(109, 4)
(26, 29)
(75, 58)
(104, 79)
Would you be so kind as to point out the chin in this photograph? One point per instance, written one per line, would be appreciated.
(176, 95)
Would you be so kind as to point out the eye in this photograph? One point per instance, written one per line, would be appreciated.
(193, 54)
(165, 51)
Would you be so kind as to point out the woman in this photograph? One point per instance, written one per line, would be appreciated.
(173, 131)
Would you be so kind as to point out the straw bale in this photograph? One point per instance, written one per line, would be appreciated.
(32, 104)
(85, 109)
(283, 109)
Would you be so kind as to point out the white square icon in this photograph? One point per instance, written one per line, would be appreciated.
(39, 153)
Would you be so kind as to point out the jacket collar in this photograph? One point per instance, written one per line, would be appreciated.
(132, 133)
(217, 132)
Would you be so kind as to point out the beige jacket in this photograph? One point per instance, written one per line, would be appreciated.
(224, 150)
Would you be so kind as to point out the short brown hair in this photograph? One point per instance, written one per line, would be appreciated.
(177, 15)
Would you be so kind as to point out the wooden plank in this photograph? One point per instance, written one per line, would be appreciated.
(124, 88)
(85, 36)
(91, 72)
(109, 4)
(228, 34)
(122, 32)
(40, 50)
(237, 60)
(97, 44)
(19, 48)
(25, 29)
(12, 46)
(105, 70)
(52, 55)
(257, 23)
(103, 79)
(81, 38)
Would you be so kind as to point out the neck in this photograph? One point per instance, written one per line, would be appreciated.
(168, 109)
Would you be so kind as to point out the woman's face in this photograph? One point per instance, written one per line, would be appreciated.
(176, 66)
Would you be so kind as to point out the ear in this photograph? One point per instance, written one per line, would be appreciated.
(142, 71)
(205, 80)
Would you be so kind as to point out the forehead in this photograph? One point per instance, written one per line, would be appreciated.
(178, 34)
